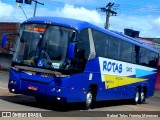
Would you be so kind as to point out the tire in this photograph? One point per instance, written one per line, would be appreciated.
(89, 100)
(142, 97)
(136, 98)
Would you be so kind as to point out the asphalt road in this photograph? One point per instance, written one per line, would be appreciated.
(21, 103)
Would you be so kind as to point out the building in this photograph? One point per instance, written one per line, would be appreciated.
(152, 42)
(8, 27)
(6, 55)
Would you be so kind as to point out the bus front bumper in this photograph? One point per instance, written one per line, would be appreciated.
(47, 91)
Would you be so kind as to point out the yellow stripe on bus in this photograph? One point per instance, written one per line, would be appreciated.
(117, 81)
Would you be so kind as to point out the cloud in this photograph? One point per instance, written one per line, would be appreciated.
(157, 23)
(12, 13)
(70, 11)
(149, 26)
(6, 11)
(144, 24)
(80, 13)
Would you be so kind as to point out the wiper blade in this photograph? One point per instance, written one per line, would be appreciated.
(47, 56)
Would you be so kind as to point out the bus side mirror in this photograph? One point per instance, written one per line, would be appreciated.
(4, 39)
(71, 50)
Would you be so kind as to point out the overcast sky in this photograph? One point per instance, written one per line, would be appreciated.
(141, 15)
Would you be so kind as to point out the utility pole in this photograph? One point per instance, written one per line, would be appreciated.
(35, 8)
(109, 12)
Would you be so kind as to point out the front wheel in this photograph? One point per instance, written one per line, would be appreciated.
(89, 100)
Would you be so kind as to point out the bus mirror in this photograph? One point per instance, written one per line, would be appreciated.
(71, 50)
(4, 39)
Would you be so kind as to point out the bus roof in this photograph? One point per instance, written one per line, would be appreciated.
(79, 25)
(66, 22)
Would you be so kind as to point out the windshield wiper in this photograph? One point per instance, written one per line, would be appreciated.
(47, 56)
(48, 59)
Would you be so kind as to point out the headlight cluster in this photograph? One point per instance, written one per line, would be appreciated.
(13, 82)
(56, 89)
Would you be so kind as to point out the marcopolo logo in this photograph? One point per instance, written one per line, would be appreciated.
(112, 67)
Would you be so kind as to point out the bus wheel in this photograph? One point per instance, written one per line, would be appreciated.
(136, 99)
(89, 100)
(142, 97)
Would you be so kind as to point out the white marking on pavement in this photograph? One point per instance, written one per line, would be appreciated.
(3, 88)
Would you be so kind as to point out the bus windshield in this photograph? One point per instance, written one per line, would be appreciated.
(43, 45)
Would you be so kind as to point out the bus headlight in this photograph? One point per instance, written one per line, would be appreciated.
(13, 90)
(13, 82)
(53, 89)
(58, 98)
(58, 90)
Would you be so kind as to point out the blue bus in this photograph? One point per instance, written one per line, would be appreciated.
(67, 60)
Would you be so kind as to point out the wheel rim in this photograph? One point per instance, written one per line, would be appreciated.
(142, 96)
(137, 97)
(89, 99)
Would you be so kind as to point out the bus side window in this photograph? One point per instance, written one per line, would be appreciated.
(82, 50)
(144, 57)
(114, 48)
(148, 58)
(153, 61)
(126, 50)
(83, 42)
(80, 60)
(137, 53)
(101, 43)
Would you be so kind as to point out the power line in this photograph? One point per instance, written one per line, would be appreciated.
(57, 3)
(133, 8)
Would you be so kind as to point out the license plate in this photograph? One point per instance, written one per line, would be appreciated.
(34, 88)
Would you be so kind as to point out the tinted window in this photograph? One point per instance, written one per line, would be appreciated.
(83, 42)
(114, 48)
(144, 56)
(127, 54)
(101, 43)
(153, 59)
(148, 58)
